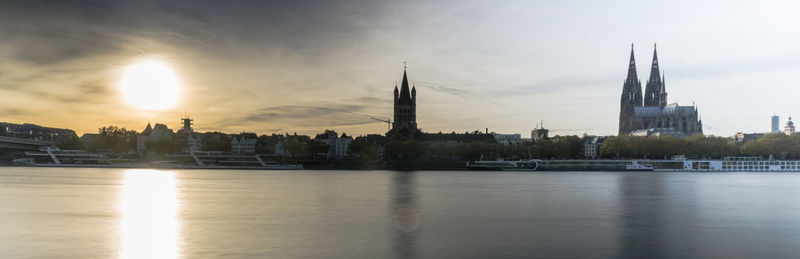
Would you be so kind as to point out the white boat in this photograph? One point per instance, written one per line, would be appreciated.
(728, 164)
(562, 165)
(221, 160)
(54, 157)
(595, 165)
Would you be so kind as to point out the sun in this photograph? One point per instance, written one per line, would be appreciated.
(150, 85)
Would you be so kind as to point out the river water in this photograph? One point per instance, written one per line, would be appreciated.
(136, 213)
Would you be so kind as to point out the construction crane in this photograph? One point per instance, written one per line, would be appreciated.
(571, 129)
(388, 122)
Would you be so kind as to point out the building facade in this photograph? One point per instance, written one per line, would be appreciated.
(508, 140)
(650, 110)
(244, 144)
(591, 149)
(776, 124)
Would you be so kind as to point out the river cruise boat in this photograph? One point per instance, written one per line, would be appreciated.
(221, 160)
(54, 157)
(728, 164)
(501, 165)
(562, 165)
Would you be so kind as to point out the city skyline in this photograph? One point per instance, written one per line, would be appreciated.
(260, 67)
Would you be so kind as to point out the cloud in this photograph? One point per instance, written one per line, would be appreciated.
(306, 116)
(443, 89)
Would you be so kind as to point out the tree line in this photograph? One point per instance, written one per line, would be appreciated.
(778, 145)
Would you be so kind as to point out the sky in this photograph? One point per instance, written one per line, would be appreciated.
(306, 66)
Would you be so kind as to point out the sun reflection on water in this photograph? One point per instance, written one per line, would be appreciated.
(149, 207)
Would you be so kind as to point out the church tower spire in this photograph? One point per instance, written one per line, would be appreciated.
(632, 76)
(405, 109)
(652, 92)
(631, 97)
(405, 91)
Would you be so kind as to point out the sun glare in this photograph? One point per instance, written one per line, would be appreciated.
(150, 85)
(149, 204)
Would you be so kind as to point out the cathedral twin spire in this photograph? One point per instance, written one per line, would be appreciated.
(655, 93)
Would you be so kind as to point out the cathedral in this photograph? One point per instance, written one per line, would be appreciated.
(649, 111)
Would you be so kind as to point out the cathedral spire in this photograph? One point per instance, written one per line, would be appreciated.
(631, 97)
(654, 70)
(654, 87)
(632, 77)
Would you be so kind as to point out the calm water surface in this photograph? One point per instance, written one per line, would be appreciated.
(128, 213)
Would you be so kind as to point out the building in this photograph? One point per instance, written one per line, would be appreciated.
(375, 142)
(658, 132)
(405, 110)
(591, 148)
(283, 145)
(742, 138)
(33, 131)
(539, 133)
(789, 128)
(405, 120)
(338, 146)
(776, 122)
(159, 132)
(193, 140)
(244, 144)
(508, 139)
(651, 111)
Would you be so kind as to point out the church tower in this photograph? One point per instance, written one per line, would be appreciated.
(655, 87)
(405, 110)
(631, 97)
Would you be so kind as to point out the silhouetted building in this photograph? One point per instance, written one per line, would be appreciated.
(652, 112)
(338, 146)
(33, 131)
(159, 132)
(282, 146)
(405, 120)
(405, 110)
(776, 124)
(193, 140)
(375, 141)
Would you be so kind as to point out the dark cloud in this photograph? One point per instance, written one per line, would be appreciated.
(292, 112)
(443, 89)
(12, 112)
(46, 32)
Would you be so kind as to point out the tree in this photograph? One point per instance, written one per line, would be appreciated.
(115, 138)
(215, 141)
(67, 142)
